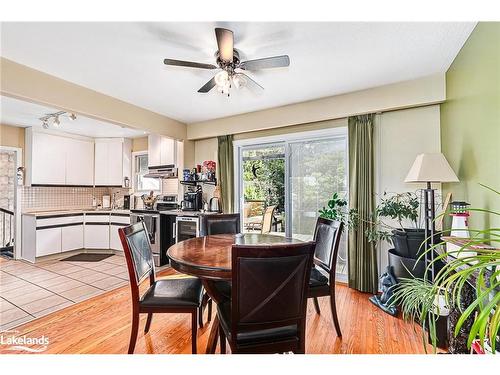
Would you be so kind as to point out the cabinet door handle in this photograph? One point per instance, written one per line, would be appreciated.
(174, 229)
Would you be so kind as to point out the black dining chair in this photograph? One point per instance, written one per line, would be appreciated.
(267, 310)
(219, 224)
(327, 236)
(182, 295)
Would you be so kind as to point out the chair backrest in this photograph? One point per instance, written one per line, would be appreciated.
(267, 219)
(220, 224)
(327, 238)
(137, 249)
(270, 286)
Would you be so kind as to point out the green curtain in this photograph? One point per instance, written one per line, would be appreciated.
(362, 257)
(225, 169)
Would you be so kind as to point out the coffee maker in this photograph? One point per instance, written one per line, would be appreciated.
(193, 200)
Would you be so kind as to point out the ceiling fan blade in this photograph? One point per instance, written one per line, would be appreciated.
(188, 64)
(266, 63)
(251, 81)
(208, 86)
(225, 42)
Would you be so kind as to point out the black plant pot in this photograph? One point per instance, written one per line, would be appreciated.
(441, 331)
(402, 266)
(408, 242)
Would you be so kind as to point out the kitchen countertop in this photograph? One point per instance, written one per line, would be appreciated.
(187, 213)
(75, 211)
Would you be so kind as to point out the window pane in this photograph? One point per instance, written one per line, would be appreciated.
(141, 168)
(264, 187)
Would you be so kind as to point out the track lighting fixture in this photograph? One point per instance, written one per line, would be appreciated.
(55, 119)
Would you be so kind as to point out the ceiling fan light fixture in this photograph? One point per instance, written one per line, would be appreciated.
(56, 122)
(72, 116)
(222, 78)
(239, 81)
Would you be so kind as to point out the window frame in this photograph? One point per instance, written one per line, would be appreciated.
(134, 174)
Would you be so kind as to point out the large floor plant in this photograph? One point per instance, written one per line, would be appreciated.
(418, 298)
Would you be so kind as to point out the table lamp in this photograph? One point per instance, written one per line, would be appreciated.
(428, 168)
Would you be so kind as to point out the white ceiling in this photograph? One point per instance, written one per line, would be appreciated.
(125, 60)
(24, 114)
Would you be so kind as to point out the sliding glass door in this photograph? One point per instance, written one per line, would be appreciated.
(317, 169)
(293, 176)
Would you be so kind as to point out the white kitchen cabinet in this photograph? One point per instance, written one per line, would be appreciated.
(79, 162)
(112, 161)
(48, 241)
(96, 236)
(161, 150)
(53, 159)
(114, 238)
(116, 222)
(72, 237)
(45, 158)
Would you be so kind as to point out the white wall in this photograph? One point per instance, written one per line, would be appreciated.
(400, 137)
(409, 94)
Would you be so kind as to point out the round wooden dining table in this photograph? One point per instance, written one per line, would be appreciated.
(209, 258)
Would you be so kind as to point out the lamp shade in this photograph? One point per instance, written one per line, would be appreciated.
(431, 167)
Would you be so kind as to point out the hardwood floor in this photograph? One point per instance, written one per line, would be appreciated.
(102, 325)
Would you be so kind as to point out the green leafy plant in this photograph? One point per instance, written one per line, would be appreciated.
(337, 209)
(398, 206)
(480, 269)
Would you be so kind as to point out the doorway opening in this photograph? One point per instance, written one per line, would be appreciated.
(8, 167)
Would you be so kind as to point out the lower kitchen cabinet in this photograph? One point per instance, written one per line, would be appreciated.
(72, 237)
(114, 237)
(48, 241)
(96, 235)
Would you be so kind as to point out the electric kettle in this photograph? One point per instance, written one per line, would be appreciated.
(214, 205)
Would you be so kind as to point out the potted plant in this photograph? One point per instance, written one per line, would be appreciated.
(478, 270)
(402, 209)
(337, 209)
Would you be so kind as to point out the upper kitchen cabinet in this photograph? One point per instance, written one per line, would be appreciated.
(58, 160)
(80, 162)
(112, 161)
(161, 151)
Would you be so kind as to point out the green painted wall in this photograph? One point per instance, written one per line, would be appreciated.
(470, 122)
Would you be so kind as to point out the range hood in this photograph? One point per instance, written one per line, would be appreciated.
(162, 171)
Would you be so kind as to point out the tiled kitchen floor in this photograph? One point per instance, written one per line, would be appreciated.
(29, 291)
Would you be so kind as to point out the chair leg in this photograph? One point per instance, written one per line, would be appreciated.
(148, 322)
(200, 316)
(209, 310)
(222, 337)
(194, 330)
(334, 311)
(133, 333)
(316, 305)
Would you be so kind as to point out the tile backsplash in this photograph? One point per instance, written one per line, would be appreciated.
(40, 198)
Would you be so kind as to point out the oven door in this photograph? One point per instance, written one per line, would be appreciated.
(186, 227)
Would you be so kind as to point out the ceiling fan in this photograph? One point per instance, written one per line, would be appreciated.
(228, 60)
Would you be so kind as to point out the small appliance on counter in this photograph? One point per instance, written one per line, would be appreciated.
(193, 200)
(106, 201)
(214, 205)
(126, 202)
